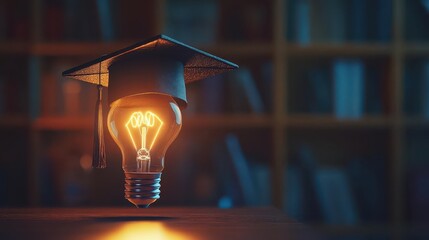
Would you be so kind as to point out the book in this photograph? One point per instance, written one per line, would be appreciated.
(302, 24)
(349, 86)
(242, 170)
(341, 89)
(293, 193)
(105, 16)
(307, 165)
(262, 180)
(334, 195)
(356, 94)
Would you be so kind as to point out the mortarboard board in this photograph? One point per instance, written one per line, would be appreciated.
(159, 64)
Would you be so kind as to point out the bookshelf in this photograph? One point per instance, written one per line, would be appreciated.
(44, 54)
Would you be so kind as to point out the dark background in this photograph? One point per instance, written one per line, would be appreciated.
(349, 157)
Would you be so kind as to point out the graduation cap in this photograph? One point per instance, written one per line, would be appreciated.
(159, 64)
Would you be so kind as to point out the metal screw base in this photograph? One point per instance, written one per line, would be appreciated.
(142, 189)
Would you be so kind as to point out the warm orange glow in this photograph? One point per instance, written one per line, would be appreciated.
(145, 230)
(142, 122)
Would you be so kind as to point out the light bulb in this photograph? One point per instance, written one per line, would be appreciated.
(143, 126)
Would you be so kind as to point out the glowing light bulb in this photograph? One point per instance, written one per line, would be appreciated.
(144, 126)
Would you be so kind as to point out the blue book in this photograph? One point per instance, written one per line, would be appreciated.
(357, 87)
(341, 88)
(302, 22)
(293, 193)
(242, 169)
(104, 8)
(262, 180)
(334, 194)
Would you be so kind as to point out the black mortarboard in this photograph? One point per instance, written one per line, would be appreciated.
(159, 64)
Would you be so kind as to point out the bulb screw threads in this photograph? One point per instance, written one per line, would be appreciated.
(142, 189)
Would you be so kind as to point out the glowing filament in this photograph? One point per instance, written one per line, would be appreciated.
(142, 123)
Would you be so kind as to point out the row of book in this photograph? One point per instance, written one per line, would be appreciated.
(338, 21)
(194, 22)
(345, 87)
(336, 195)
(104, 20)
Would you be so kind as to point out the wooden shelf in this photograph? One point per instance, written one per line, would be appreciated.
(227, 121)
(416, 122)
(63, 123)
(417, 49)
(358, 230)
(240, 49)
(14, 47)
(76, 48)
(346, 49)
(14, 121)
(309, 121)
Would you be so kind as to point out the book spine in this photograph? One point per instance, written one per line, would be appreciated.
(104, 10)
(302, 22)
(341, 86)
(357, 81)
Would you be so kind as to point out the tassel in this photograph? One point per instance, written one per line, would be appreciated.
(99, 151)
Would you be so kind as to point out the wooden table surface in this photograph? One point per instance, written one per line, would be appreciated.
(152, 223)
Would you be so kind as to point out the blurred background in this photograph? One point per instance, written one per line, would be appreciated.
(327, 117)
